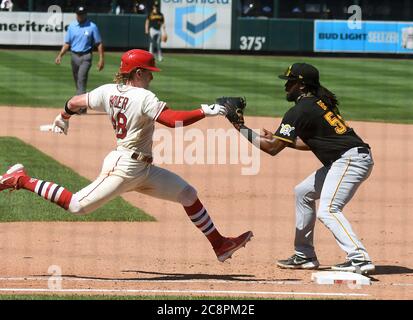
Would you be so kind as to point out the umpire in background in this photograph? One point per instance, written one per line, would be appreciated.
(82, 35)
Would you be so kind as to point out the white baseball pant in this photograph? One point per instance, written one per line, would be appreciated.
(334, 186)
(120, 173)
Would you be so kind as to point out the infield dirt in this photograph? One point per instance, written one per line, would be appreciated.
(171, 256)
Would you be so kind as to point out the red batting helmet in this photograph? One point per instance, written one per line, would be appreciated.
(137, 58)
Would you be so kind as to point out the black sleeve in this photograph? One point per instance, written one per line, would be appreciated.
(287, 131)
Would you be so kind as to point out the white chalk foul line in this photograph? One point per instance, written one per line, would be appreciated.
(329, 294)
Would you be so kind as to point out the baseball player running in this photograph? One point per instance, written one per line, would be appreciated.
(132, 109)
(314, 123)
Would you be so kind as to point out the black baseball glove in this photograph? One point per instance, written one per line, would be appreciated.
(235, 108)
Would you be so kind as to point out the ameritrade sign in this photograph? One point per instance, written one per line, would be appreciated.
(35, 28)
(371, 37)
(198, 24)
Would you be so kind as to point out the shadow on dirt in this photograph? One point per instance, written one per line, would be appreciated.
(383, 270)
(380, 270)
(163, 276)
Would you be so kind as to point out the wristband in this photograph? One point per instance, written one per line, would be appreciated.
(64, 116)
(67, 110)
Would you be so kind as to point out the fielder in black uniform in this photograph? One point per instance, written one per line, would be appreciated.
(314, 123)
(155, 28)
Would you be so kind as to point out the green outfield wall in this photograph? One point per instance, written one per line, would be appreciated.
(122, 31)
(292, 35)
(248, 34)
(127, 31)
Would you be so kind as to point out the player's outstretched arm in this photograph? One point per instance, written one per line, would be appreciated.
(173, 118)
(76, 103)
(72, 106)
(299, 145)
(270, 144)
(266, 142)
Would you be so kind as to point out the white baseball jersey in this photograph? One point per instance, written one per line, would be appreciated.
(132, 111)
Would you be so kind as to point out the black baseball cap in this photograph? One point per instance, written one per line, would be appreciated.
(305, 72)
(80, 10)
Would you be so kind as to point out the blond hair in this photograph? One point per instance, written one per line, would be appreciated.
(123, 78)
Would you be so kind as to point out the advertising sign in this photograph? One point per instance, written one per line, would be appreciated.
(198, 24)
(34, 28)
(370, 37)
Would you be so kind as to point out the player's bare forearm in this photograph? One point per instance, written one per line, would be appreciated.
(299, 145)
(272, 145)
(75, 104)
(267, 142)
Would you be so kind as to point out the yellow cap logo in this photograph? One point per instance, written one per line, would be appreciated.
(288, 72)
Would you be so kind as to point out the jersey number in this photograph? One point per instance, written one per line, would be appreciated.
(119, 124)
(336, 122)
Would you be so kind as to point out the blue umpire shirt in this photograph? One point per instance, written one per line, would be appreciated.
(82, 37)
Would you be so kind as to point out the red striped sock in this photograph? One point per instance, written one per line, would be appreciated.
(200, 217)
(47, 190)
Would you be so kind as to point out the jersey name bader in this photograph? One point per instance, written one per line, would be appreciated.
(118, 102)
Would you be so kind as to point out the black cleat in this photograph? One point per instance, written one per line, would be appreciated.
(297, 262)
(358, 266)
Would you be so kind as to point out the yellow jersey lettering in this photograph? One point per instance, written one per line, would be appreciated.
(321, 105)
(336, 122)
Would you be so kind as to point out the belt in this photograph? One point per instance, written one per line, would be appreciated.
(360, 150)
(139, 156)
(81, 53)
(363, 150)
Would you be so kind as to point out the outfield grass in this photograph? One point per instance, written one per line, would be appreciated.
(27, 206)
(368, 89)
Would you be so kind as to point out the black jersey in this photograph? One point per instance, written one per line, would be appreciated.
(155, 20)
(322, 129)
